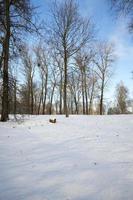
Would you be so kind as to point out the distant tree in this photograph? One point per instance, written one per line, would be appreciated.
(93, 89)
(113, 111)
(103, 60)
(54, 77)
(42, 61)
(83, 60)
(28, 72)
(58, 62)
(122, 97)
(75, 90)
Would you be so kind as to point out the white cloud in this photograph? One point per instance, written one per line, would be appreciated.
(122, 40)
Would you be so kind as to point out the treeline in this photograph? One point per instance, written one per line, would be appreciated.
(42, 87)
(66, 71)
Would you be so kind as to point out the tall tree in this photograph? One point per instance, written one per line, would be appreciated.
(4, 114)
(16, 18)
(43, 61)
(92, 90)
(29, 71)
(83, 60)
(70, 32)
(103, 60)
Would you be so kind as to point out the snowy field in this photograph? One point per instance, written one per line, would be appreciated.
(79, 158)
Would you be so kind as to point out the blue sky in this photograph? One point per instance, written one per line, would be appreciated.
(109, 28)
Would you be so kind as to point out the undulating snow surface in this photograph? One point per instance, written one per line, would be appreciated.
(79, 158)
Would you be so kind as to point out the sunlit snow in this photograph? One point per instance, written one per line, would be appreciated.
(78, 158)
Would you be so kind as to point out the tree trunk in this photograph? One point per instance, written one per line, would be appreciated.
(86, 94)
(39, 106)
(42, 92)
(15, 98)
(45, 95)
(65, 85)
(72, 110)
(76, 104)
(51, 100)
(5, 102)
(56, 108)
(32, 98)
(1, 60)
(101, 98)
(83, 98)
(35, 104)
(91, 99)
(86, 99)
(61, 95)
(28, 108)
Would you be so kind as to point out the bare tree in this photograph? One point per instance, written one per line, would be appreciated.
(16, 18)
(92, 90)
(75, 90)
(83, 61)
(53, 84)
(70, 32)
(121, 98)
(103, 60)
(4, 114)
(29, 71)
(43, 62)
(57, 63)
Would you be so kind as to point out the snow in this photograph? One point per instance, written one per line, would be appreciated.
(78, 158)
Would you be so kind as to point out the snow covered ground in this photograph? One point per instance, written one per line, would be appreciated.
(79, 158)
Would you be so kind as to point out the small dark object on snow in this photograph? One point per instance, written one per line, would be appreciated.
(52, 121)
